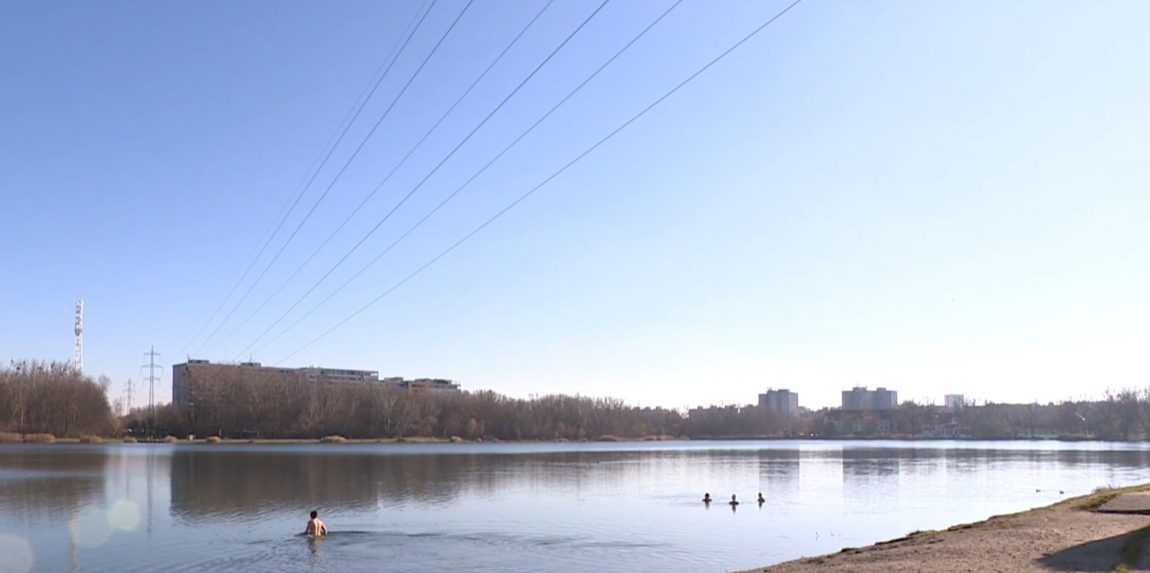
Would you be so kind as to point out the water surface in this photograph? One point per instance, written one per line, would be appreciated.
(513, 507)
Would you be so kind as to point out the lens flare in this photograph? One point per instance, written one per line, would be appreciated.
(17, 553)
(124, 515)
(90, 528)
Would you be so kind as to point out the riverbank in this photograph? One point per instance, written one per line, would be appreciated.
(46, 439)
(13, 438)
(1071, 535)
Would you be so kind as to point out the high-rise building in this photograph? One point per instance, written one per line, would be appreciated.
(859, 398)
(782, 401)
(884, 399)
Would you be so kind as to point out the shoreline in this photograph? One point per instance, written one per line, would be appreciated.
(328, 440)
(336, 440)
(1070, 535)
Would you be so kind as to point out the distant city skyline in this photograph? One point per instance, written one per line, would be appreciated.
(932, 197)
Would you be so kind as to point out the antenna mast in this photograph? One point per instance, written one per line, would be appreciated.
(78, 351)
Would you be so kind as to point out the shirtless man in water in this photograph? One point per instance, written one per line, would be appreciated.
(315, 527)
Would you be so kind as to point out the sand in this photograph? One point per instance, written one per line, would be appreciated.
(1067, 536)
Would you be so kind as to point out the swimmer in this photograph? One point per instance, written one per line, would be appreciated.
(315, 527)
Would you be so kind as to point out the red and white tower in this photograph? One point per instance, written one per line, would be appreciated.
(78, 352)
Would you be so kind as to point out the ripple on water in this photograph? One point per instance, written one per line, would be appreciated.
(363, 550)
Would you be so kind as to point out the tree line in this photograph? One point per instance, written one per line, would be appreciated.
(1120, 416)
(53, 398)
(234, 402)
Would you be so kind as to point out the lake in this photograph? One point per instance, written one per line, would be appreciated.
(514, 507)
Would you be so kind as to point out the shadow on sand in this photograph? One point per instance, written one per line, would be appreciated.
(1103, 555)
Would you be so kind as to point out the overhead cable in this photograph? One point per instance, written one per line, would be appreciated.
(698, 72)
(396, 167)
(438, 165)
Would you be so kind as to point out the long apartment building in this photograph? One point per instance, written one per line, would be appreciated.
(183, 375)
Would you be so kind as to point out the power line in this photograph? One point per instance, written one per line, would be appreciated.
(347, 163)
(435, 169)
(354, 113)
(551, 177)
(398, 165)
(634, 39)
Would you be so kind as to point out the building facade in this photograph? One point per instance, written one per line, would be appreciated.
(184, 373)
(782, 402)
(427, 385)
(315, 374)
(954, 401)
(859, 398)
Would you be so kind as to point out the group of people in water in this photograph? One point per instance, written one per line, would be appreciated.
(734, 500)
(317, 528)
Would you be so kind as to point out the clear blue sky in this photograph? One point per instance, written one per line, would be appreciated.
(932, 196)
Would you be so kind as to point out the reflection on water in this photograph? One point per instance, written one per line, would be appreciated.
(514, 507)
(243, 483)
(864, 464)
(38, 484)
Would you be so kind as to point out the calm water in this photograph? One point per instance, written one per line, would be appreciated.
(513, 507)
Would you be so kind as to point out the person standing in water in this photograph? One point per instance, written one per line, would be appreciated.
(316, 527)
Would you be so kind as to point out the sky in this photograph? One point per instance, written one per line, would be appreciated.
(936, 197)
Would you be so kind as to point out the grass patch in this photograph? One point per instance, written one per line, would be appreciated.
(1102, 495)
(39, 438)
(91, 440)
(171, 440)
(333, 440)
(214, 440)
(130, 440)
(10, 438)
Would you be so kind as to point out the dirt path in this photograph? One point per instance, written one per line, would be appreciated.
(1067, 536)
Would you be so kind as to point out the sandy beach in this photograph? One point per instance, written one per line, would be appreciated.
(1072, 535)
